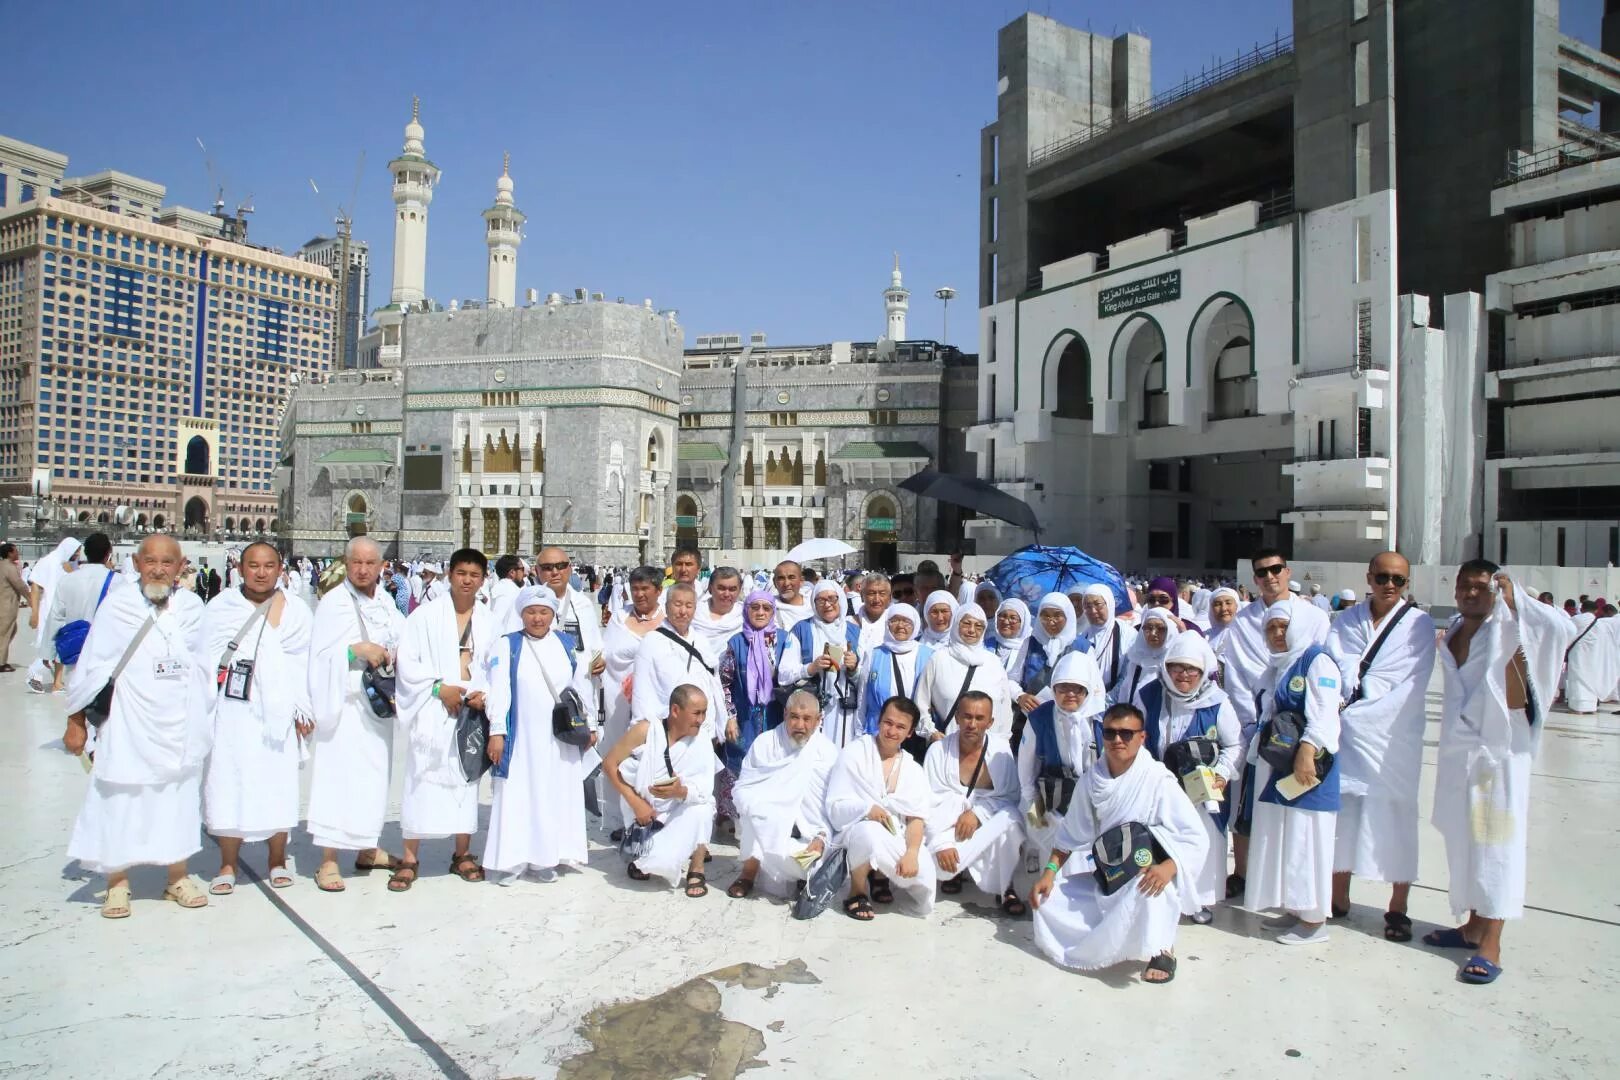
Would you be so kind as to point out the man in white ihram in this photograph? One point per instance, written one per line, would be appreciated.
(143, 804)
(780, 798)
(973, 829)
(260, 638)
(357, 625)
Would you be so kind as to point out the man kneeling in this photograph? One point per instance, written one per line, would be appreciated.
(973, 829)
(780, 797)
(664, 774)
(1092, 920)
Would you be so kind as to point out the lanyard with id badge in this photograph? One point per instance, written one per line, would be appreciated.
(236, 678)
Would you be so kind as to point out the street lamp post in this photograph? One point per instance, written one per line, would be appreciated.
(945, 294)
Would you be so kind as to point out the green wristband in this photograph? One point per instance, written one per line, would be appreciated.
(1053, 866)
(351, 654)
(436, 684)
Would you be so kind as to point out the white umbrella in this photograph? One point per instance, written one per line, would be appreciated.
(822, 547)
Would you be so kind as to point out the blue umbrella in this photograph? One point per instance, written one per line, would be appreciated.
(1031, 572)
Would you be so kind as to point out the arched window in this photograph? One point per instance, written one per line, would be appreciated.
(1155, 400)
(197, 456)
(652, 451)
(230, 523)
(1074, 382)
(157, 521)
(1233, 382)
(196, 514)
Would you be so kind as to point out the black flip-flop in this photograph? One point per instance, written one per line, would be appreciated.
(1164, 963)
(951, 885)
(1011, 905)
(1235, 884)
(1397, 926)
(635, 873)
(882, 891)
(859, 908)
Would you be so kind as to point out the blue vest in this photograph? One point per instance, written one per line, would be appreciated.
(1036, 676)
(1290, 695)
(754, 718)
(515, 638)
(880, 684)
(806, 638)
(1043, 722)
(1205, 724)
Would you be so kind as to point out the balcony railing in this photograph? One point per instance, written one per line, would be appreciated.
(1592, 145)
(1194, 84)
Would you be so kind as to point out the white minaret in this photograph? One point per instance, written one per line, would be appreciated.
(503, 232)
(896, 299)
(414, 176)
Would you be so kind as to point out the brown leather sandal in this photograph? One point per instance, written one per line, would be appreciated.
(459, 866)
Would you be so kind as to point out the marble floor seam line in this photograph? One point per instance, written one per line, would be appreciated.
(1532, 907)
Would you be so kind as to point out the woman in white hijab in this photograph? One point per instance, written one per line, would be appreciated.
(1059, 744)
(988, 597)
(827, 653)
(46, 575)
(1184, 704)
(1291, 844)
(894, 667)
(964, 664)
(1147, 652)
(1012, 633)
(1053, 635)
(938, 611)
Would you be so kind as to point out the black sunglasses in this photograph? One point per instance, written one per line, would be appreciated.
(552, 566)
(1398, 580)
(1120, 734)
(1270, 571)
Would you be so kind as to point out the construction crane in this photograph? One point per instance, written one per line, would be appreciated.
(344, 219)
(233, 228)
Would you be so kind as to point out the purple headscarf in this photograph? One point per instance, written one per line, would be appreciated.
(1165, 585)
(761, 679)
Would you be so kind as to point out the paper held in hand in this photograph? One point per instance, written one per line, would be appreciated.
(1200, 785)
(1291, 789)
(805, 858)
(888, 823)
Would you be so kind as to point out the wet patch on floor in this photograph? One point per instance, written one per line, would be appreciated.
(680, 1032)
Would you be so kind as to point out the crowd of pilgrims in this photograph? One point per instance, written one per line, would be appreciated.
(1106, 755)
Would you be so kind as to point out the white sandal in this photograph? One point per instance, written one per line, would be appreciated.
(280, 877)
(187, 893)
(223, 885)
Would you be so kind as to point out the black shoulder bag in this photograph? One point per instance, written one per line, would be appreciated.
(472, 732)
(1367, 661)
(376, 682)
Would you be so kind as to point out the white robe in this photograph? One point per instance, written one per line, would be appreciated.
(1585, 666)
(1078, 926)
(1290, 849)
(871, 629)
(250, 787)
(438, 800)
(1381, 744)
(1608, 630)
(855, 786)
(501, 595)
(1102, 646)
(75, 598)
(689, 822)
(990, 855)
(620, 648)
(352, 749)
(781, 788)
(661, 666)
(941, 681)
(1206, 882)
(790, 615)
(1482, 772)
(143, 805)
(711, 632)
(536, 815)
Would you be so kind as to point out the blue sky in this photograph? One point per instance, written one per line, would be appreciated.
(750, 162)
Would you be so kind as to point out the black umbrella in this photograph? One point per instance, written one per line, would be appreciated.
(974, 494)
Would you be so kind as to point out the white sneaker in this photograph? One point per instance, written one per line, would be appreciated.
(545, 875)
(1281, 922)
(505, 880)
(1300, 936)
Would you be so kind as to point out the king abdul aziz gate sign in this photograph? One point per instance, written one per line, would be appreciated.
(1144, 292)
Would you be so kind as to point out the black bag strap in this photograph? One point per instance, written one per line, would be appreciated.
(978, 770)
(135, 643)
(967, 682)
(691, 650)
(361, 619)
(1578, 638)
(259, 612)
(899, 683)
(1367, 660)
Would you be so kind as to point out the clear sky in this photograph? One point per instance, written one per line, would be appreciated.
(750, 162)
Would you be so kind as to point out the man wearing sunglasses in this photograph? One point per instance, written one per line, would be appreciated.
(576, 612)
(1245, 661)
(1384, 647)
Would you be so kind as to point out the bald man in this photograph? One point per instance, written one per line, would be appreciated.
(143, 803)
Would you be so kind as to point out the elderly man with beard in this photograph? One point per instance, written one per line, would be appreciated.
(973, 827)
(262, 715)
(781, 801)
(144, 801)
(357, 628)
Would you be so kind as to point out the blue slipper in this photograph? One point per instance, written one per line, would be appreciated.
(1487, 973)
(1450, 938)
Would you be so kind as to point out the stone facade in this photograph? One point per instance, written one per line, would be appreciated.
(497, 418)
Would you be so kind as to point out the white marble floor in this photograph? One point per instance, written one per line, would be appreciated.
(463, 980)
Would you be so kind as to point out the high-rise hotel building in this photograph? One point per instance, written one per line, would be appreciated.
(143, 361)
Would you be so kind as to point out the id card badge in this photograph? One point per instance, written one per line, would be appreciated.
(168, 668)
(239, 682)
(572, 630)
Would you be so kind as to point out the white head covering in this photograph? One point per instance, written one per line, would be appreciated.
(530, 595)
(1299, 635)
(1144, 654)
(827, 631)
(1011, 650)
(1055, 647)
(1080, 668)
(1193, 650)
(47, 574)
(901, 611)
(1099, 589)
(1347, 595)
(971, 655)
(925, 631)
